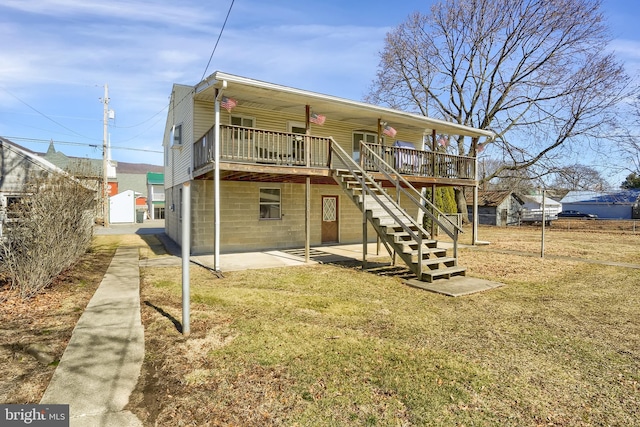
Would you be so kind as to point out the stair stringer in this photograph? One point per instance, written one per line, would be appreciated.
(397, 229)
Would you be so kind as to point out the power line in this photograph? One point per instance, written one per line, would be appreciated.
(45, 116)
(89, 119)
(143, 122)
(219, 35)
(81, 144)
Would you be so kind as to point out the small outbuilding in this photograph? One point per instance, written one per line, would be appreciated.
(122, 208)
(532, 208)
(499, 208)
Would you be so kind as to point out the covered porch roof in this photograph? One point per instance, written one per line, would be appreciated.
(270, 96)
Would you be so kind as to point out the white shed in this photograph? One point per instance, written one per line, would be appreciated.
(122, 207)
(532, 208)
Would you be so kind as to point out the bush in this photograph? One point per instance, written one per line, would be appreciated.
(49, 229)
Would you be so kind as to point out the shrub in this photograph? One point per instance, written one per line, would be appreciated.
(50, 227)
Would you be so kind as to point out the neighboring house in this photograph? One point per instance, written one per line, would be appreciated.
(616, 205)
(497, 207)
(155, 195)
(18, 166)
(122, 176)
(262, 166)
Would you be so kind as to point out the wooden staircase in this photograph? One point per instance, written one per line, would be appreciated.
(398, 231)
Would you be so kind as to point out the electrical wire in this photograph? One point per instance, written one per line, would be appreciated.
(141, 123)
(47, 117)
(81, 144)
(219, 36)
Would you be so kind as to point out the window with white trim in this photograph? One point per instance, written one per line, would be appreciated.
(270, 201)
(366, 137)
(176, 135)
(247, 122)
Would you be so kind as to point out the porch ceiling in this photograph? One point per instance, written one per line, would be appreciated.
(269, 96)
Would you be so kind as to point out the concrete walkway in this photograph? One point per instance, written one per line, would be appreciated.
(101, 364)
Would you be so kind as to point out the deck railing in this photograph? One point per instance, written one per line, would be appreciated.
(251, 145)
(409, 161)
(258, 146)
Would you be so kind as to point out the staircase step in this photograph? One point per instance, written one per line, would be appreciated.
(443, 273)
(440, 252)
(431, 262)
(405, 237)
(381, 213)
(380, 209)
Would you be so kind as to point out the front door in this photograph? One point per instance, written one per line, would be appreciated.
(330, 219)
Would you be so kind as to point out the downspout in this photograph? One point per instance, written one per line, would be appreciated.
(216, 180)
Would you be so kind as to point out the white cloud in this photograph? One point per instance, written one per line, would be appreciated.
(62, 51)
(159, 12)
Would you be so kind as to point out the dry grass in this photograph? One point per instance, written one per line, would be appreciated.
(329, 345)
(36, 331)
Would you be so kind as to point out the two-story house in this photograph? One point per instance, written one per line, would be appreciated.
(265, 166)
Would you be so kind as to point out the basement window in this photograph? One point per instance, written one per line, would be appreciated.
(270, 203)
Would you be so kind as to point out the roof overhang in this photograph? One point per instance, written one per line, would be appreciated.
(269, 96)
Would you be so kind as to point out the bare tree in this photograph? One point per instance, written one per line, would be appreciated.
(536, 72)
(51, 227)
(627, 139)
(519, 181)
(579, 177)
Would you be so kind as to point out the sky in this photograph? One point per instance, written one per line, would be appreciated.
(57, 56)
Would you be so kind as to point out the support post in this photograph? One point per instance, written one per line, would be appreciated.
(307, 186)
(474, 220)
(544, 221)
(433, 203)
(105, 177)
(216, 179)
(364, 230)
(307, 219)
(186, 250)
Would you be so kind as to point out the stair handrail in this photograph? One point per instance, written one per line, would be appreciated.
(376, 160)
(353, 166)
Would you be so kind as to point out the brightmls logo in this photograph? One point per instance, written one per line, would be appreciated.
(34, 415)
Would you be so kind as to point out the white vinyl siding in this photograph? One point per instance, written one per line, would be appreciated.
(178, 158)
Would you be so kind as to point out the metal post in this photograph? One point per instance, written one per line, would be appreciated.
(186, 249)
(216, 179)
(474, 223)
(544, 220)
(307, 219)
(105, 178)
(364, 230)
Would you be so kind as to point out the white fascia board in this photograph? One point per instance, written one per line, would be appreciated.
(429, 123)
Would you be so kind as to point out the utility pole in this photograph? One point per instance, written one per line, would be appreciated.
(105, 183)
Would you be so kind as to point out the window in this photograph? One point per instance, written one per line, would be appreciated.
(270, 203)
(366, 137)
(247, 122)
(176, 133)
(241, 145)
(158, 212)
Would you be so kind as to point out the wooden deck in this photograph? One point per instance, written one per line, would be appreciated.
(251, 154)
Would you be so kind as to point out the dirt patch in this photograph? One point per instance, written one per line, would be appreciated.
(35, 332)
